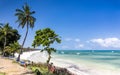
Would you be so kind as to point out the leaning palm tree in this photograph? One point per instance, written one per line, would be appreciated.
(25, 18)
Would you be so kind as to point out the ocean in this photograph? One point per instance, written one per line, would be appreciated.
(81, 62)
(103, 59)
(111, 57)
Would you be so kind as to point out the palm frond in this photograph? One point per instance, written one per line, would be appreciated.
(24, 16)
(32, 21)
(19, 11)
(26, 9)
(23, 22)
(33, 12)
(19, 14)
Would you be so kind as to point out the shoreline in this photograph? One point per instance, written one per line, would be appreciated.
(84, 69)
(75, 68)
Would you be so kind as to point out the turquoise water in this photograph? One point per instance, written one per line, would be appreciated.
(100, 57)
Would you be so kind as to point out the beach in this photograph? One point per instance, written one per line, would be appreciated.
(79, 65)
(8, 67)
(61, 37)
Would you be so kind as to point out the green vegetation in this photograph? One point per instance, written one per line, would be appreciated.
(5, 31)
(8, 35)
(25, 18)
(41, 67)
(12, 48)
(45, 38)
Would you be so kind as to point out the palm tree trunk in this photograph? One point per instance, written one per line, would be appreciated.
(49, 57)
(18, 59)
(5, 40)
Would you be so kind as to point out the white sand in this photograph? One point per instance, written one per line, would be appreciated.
(76, 68)
(10, 68)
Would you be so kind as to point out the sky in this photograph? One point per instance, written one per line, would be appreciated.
(81, 24)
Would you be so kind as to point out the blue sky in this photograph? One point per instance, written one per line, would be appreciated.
(82, 24)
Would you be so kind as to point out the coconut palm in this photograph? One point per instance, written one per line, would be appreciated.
(5, 30)
(0, 32)
(8, 35)
(25, 18)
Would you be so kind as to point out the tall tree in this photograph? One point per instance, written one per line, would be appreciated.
(25, 18)
(5, 30)
(7, 36)
(46, 38)
(0, 33)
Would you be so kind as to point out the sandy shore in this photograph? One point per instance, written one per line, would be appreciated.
(7, 66)
(81, 68)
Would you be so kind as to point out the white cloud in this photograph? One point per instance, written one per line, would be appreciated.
(107, 42)
(72, 43)
(77, 40)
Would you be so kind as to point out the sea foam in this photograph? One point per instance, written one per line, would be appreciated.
(78, 67)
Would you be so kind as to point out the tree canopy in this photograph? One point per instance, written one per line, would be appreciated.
(45, 38)
(12, 48)
(25, 17)
(11, 35)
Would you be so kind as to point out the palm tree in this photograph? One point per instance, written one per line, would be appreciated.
(25, 18)
(0, 32)
(5, 30)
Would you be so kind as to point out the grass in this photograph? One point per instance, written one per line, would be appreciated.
(41, 67)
